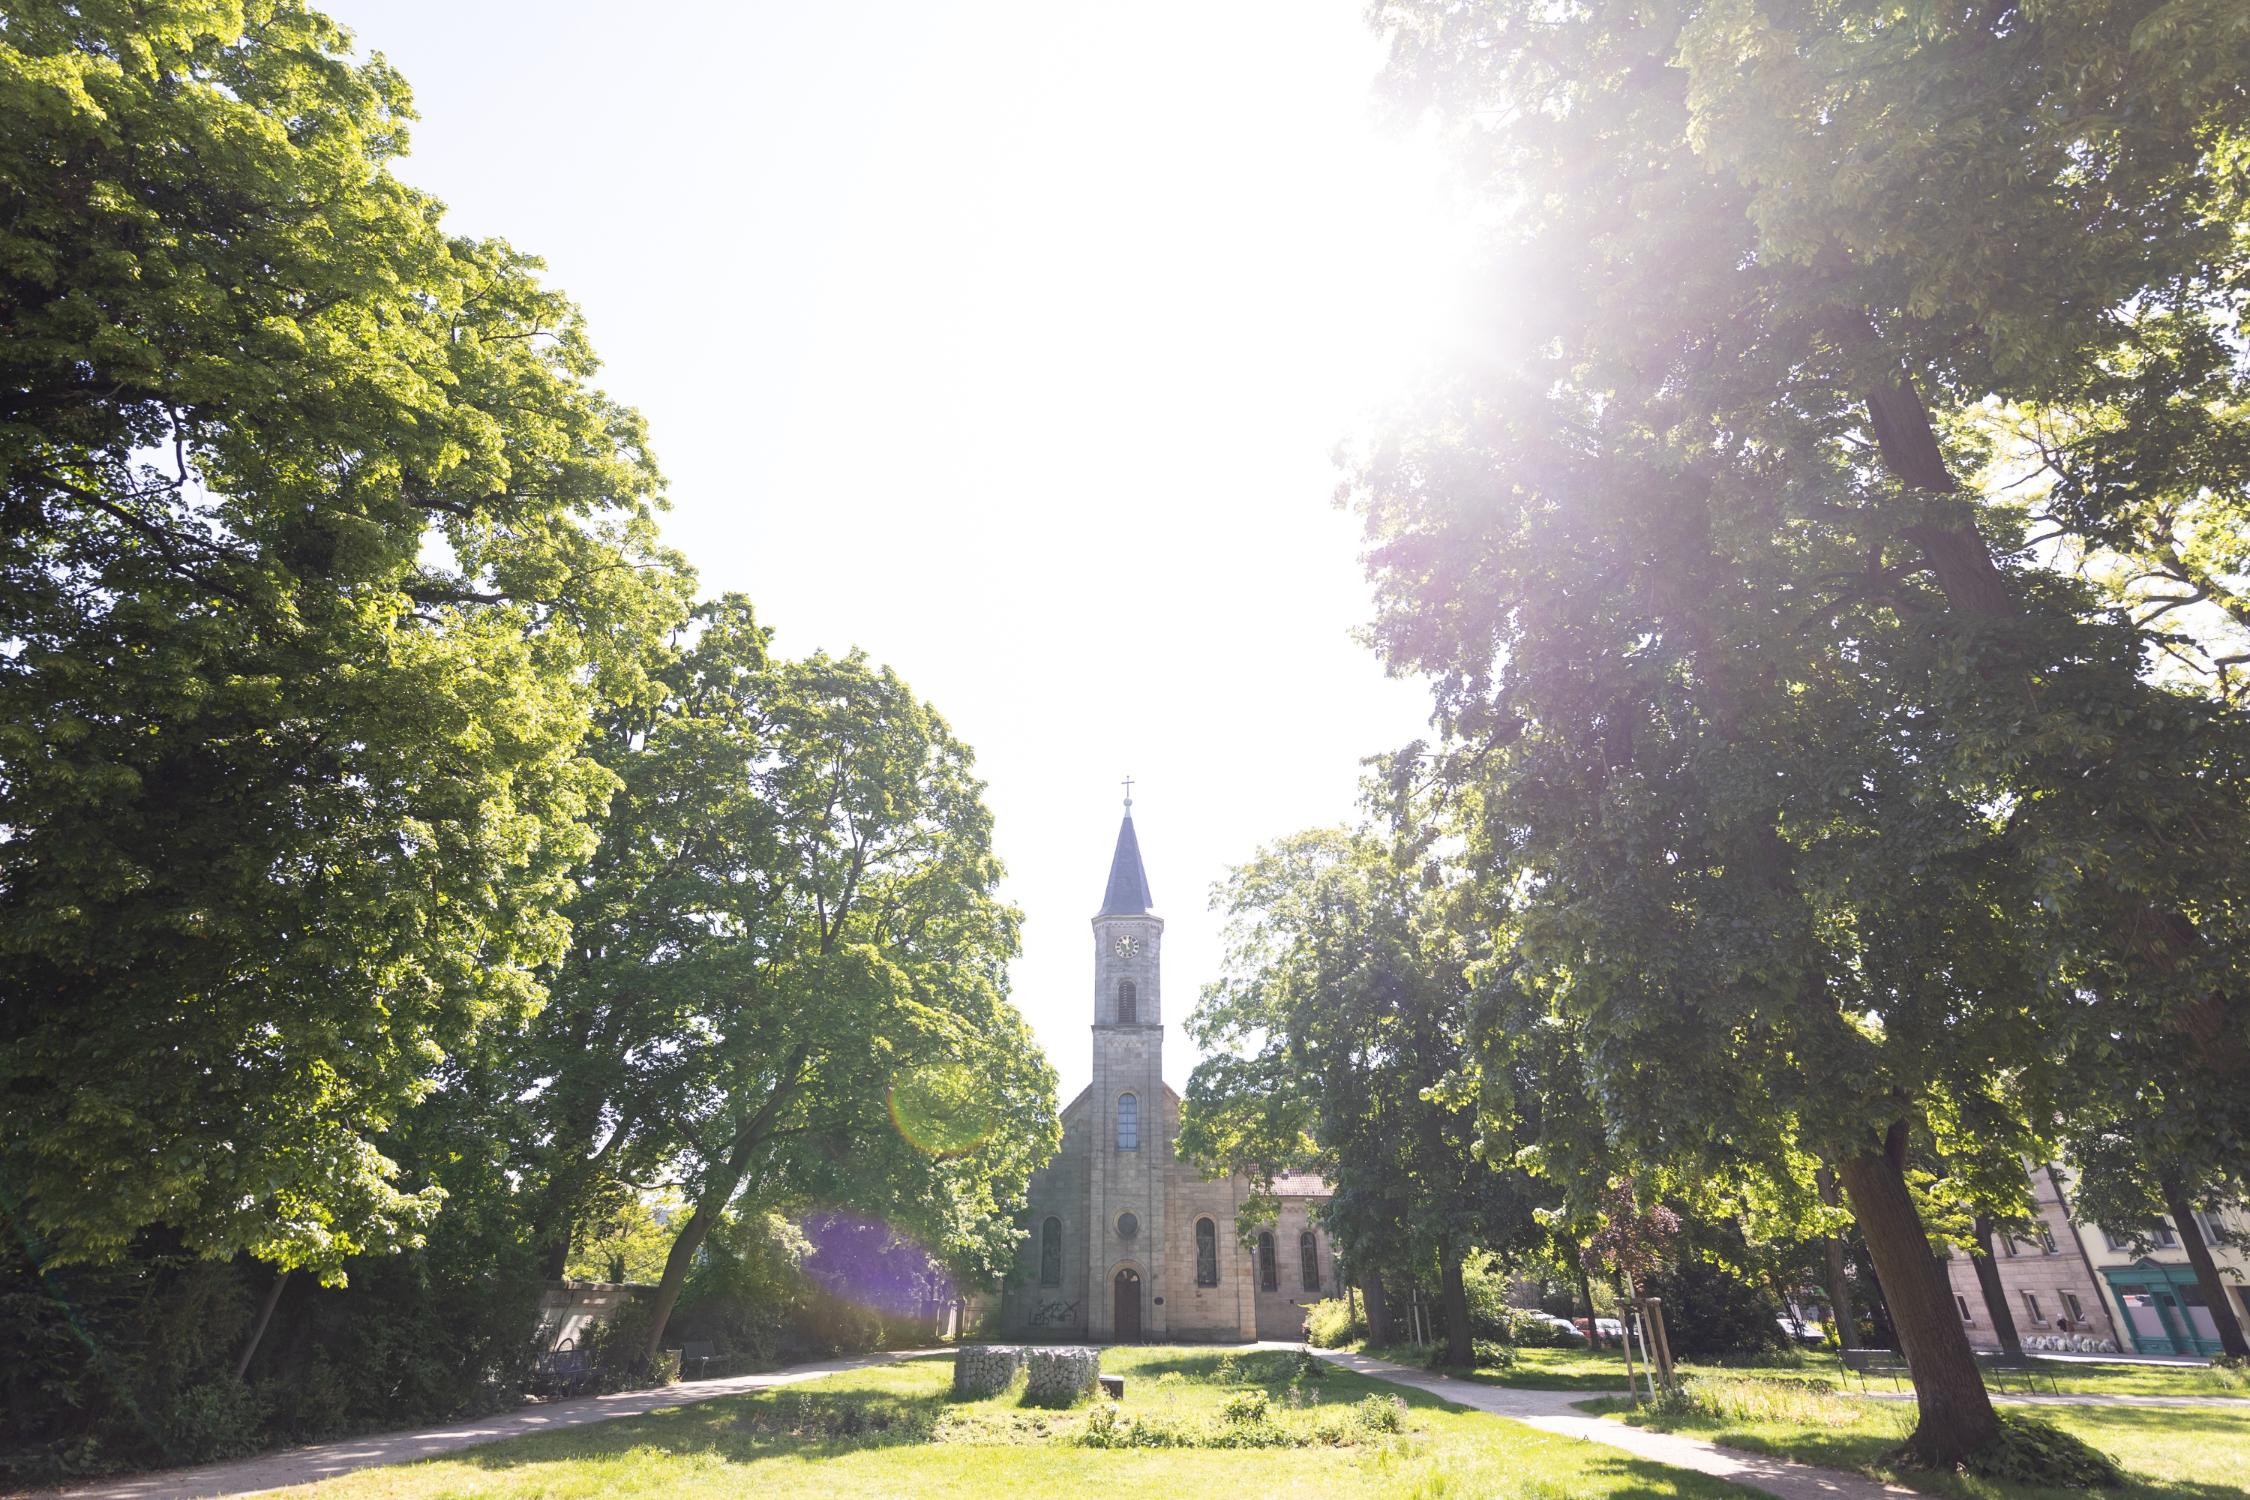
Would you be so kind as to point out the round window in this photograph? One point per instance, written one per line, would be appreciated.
(1127, 1226)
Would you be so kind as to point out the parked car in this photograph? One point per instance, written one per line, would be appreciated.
(1566, 1330)
(1607, 1332)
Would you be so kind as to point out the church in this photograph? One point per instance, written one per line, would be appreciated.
(1127, 1240)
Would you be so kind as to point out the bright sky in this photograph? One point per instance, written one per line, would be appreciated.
(1011, 341)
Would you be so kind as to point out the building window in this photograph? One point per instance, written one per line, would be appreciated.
(1128, 1123)
(1206, 1253)
(1128, 1225)
(2008, 1245)
(1269, 1278)
(2114, 1241)
(2214, 1232)
(2047, 1240)
(1128, 1002)
(1963, 1303)
(2071, 1306)
(1308, 1257)
(2031, 1306)
(1050, 1253)
(2162, 1235)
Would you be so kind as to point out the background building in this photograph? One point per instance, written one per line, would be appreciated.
(2051, 1284)
(1128, 1241)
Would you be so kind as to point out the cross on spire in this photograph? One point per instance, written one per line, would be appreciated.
(1128, 795)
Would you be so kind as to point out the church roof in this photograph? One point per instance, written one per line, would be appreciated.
(1127, 895)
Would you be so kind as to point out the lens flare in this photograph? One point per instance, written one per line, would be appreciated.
(869, 1264)
(941, 1109)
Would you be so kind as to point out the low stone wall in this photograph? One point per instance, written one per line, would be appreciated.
(570, 1310)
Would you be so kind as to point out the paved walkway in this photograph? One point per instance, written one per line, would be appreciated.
(274, 1471)
(1552, 1411)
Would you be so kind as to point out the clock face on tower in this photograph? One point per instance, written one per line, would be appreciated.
(1126, 947)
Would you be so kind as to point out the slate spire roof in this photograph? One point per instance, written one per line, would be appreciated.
(1127, 895)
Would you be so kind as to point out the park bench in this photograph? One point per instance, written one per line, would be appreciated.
(693, 1357)
(1866, 1362)
(2001, 1366)
(563, 1372)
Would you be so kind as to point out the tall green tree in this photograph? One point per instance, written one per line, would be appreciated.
(786, 982)
(866, 1053)
(1342, 1028)
(1814, 777)
(316, 547)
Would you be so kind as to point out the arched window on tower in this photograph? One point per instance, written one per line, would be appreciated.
(1128, 1123)
(1308, 1255)
(1206, 1253)
(1050, 1253)
(1128, 1003)
(1269, 1279)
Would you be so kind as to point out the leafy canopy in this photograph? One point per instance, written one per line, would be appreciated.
(318, 546)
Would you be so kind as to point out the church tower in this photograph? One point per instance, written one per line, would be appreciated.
(1131, 1146)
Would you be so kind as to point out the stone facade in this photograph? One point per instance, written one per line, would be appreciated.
(2077, 1279)
(1126, 1240)
(2049, 1282)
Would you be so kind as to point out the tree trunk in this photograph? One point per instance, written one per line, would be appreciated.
(1460, 1352)
(1840, 1297)
(1954, 1413)
(2182, 1210)
(1586, 1295)
(692, 1234)
(1995, 1296)
(1378, 1310)
(717, 1193)
(1839, 1273)
(265, 1316)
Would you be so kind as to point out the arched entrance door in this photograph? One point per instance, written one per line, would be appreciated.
(1127, 1319)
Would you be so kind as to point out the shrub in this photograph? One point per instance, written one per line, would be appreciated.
(1058, 1377)
(2036, 1453)
(1107, 1426)
(1378, 1414)
(618, 1349)
(1492, 1354)
(1247, 1406)
(1710, 1309)
(824, 1417)
(1329, 1324)
(981, 1370)
(216, 1419)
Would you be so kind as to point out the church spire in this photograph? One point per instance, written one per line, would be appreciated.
(1127, 895)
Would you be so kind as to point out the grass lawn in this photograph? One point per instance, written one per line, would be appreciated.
(2171, 1453)
(1603, 1371)
(906, 1435)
